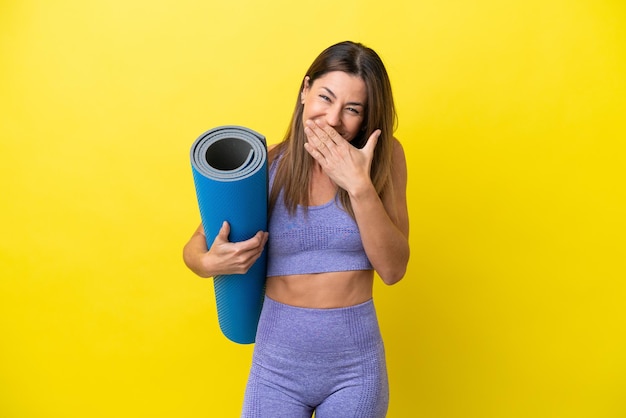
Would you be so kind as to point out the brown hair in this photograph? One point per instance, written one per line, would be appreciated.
(294, 165)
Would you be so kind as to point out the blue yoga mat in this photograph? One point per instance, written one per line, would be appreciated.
(229, 165)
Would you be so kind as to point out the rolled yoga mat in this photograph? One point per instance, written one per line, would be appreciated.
(229, 165)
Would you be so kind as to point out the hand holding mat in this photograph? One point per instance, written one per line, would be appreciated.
(229, 165)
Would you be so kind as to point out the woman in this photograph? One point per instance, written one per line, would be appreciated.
(338, 213)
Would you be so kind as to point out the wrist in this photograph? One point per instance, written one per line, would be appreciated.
(207, 266)
(361, 190)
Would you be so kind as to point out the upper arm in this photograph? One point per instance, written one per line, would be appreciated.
(395, 202)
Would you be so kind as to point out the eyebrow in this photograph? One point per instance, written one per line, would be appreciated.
(334, 97)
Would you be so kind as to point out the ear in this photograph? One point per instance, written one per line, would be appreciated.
(305, 88)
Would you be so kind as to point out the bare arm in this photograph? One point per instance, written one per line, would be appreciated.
(384, 225)
(224, 257)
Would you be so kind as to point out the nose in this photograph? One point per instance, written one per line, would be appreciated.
(333, 116)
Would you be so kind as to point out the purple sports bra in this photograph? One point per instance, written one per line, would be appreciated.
(325, 240)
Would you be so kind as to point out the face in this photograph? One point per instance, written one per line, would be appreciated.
(337, 98)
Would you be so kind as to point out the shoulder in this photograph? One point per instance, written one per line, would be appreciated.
(276, 151)
(399, 171)
(398, 157)
(395, 202)
(397, 146)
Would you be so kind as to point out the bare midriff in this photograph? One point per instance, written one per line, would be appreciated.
(322, 290)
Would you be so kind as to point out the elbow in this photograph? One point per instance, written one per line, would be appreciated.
(194, 264)
(395, 272)
(187, 259)
(392, 276)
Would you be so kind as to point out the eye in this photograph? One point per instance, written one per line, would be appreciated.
(353, 110)
(324, 97)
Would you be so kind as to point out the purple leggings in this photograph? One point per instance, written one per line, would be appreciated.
(331, 361)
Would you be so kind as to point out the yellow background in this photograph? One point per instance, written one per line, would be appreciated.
(512, 116)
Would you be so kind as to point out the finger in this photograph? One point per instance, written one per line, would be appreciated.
(224, 231)
(248, 254)
(329, 133)
(313, 133)
(315, 152)
(323, 132)
(310, 136)
(261, 238)
(256, 243)
(319, 145)
(266, 236)
(370, 145)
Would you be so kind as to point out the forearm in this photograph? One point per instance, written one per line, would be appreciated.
(224, 257)
(385, 241)
(194, 255)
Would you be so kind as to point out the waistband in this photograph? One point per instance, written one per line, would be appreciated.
(319, 330)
